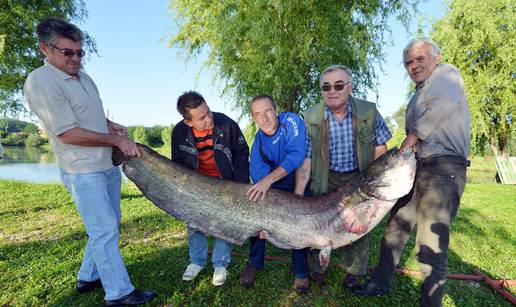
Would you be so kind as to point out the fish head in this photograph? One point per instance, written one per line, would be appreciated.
(391, 176)
(118, 157)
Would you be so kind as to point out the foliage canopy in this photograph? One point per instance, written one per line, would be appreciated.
(19, 52)
(279, 47)
(480, 39)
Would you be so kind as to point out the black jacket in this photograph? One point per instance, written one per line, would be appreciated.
(230, 148)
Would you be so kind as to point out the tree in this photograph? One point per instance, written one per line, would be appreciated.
(166, 134)
(155, 134)
(396, 124)
(479, 37)
(279, 47)
(19, 52)
(34, 140)
(398, 117)
(141, 135)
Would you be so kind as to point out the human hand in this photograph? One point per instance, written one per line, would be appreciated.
(128, 147)
(410, 141)
(258, 190)
(116, 129)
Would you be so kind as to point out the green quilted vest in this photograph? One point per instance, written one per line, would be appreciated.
(364, 121)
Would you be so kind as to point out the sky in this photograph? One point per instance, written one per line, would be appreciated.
(139, 77)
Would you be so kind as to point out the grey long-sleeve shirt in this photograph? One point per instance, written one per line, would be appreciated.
(438, 114)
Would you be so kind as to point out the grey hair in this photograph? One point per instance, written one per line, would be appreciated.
(433, 48)
(335, 67)
(52, 28)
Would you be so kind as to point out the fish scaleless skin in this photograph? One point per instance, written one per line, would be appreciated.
(221, 208)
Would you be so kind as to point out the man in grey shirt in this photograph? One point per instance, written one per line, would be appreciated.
(67, 102)
(437, 127)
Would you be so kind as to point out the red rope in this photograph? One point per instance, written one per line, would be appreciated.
(496, 284)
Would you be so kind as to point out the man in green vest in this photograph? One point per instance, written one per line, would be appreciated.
(345, 135)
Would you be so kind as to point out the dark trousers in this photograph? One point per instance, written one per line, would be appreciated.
(355, 254)
(257, 256)
(432, 205)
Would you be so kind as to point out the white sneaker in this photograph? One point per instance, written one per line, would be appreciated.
(192, 271)
(219, 276)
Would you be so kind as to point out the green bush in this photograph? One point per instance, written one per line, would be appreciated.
(130, 131)
(166, 135)
(34, 140)
(151, 136)
(397, 137)
(155, 135)
(30, 128)
(141, 135)
(15, 139)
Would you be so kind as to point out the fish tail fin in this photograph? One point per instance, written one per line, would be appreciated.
(324, 257)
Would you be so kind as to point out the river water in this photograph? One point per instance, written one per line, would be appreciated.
(34, 164)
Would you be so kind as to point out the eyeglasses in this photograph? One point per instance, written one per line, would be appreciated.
(69, 52)
(337, 86)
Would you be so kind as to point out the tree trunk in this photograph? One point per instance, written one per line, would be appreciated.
(499, 147)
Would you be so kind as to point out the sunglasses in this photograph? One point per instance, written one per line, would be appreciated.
(337, 86)
(69, 52)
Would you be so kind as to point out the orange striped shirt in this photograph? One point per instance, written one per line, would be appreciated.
(204, 145)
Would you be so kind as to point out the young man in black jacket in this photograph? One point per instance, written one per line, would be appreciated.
(212, 144)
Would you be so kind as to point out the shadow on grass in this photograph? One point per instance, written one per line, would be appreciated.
(131, 196)
(467, 293)
(42, 272)
(462, 293)
(463, 224)
(45, 271)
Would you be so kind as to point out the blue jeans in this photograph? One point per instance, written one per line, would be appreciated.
(198, 250)
(257, 245)
(97, 197)
(257, 256)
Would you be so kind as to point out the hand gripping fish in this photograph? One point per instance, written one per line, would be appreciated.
(222, 209)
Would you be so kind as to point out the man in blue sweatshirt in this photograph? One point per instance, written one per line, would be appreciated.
(278, 151)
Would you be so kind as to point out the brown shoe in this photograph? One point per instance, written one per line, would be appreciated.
(318, 278)
(248, 275)
(350, 281)
(301, 285)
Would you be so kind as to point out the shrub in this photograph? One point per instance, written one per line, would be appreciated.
(166, 135)
(141, 135)
(130, 131)
(15, 139)
(34, 140)
(397, 137)
(30, 128)
(155, 135)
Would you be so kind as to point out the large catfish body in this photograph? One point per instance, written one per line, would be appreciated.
(222, 209)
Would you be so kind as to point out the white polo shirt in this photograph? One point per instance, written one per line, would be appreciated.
(63, 102)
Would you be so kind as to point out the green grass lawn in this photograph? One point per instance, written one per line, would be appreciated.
(42, 240)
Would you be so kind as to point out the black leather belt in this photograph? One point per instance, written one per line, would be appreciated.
(443, 159)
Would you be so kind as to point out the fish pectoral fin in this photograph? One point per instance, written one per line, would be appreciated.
(324, 257)
(357, 221)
